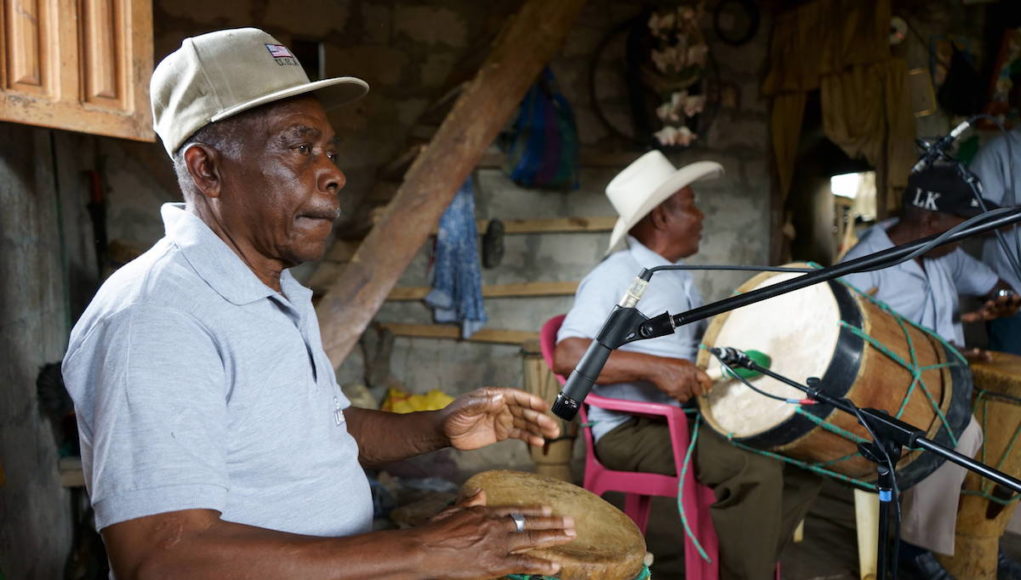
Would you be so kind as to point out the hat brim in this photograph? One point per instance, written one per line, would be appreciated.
(970, 212)
(683, 177)
(331, 92)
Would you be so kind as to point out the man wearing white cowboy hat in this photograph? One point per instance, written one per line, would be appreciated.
(215, 440)
(759, 501)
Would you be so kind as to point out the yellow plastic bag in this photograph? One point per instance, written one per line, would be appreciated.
(399, 401)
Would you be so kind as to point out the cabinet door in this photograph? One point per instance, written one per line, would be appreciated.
(79, 65)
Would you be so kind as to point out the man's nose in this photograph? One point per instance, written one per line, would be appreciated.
(332, 179)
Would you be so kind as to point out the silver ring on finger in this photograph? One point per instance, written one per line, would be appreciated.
(519, 522)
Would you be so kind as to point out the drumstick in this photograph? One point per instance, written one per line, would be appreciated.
(717, 373)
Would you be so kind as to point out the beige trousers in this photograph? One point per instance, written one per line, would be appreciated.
(929, 508)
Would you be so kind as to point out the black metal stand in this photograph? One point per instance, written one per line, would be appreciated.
(890, 435)
(973, 183)
(666, 323)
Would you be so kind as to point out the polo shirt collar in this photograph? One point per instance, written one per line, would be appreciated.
(216, 263)
(645, 257)
(881, 241)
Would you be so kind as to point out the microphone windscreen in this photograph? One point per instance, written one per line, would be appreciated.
(758, 357)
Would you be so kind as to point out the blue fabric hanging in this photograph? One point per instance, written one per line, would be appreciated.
(542, 147)
(456, 295)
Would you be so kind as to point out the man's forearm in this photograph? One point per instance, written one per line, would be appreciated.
(385, 437)
(174, 548)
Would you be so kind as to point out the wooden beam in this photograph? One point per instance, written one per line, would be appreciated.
(520, 290)
(449, 331)
(533, 36)
(557, 225)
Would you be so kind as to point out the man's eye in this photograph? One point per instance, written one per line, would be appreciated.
(332, 155)
(304, 149)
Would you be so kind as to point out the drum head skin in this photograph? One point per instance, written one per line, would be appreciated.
(609, 545)
(799, 330)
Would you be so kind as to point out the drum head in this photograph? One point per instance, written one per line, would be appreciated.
(798, 330)
(609, 545)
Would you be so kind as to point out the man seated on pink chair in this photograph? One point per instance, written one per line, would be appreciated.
(759, 501)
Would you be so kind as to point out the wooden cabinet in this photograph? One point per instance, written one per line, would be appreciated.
(79, 65)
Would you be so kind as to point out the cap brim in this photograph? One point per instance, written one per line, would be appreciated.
(331, 92)
(687, 175)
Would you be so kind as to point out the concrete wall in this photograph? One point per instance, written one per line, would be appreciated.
(43, 251)
(736, 229)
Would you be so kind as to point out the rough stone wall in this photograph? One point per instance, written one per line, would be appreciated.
(43, 247)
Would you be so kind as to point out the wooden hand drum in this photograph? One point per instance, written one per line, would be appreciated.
(861, 351)
(981, 520)
(608, 546)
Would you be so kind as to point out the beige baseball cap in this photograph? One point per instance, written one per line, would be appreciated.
(217, 75)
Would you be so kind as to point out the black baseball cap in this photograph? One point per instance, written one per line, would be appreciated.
(940, 188)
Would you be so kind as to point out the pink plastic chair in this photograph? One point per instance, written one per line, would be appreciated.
(639, 487)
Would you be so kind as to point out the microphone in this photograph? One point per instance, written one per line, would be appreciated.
(733, 357)
(738, 371)
(939, 148)
(620, 328)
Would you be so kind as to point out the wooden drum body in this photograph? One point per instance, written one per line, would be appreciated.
(861, 351)
(609, 545)
(981, 521)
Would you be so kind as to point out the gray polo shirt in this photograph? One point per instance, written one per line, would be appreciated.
(927, 297)
(998, 174)
(198, 386)
(601, 289)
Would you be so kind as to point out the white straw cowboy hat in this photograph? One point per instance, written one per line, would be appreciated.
(648, 182)
(217, 75)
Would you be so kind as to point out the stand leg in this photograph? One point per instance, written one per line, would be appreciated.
(866, 516)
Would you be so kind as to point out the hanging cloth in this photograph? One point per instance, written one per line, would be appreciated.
(456, 294)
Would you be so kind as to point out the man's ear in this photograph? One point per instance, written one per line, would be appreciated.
(203, 163)
(659, 217)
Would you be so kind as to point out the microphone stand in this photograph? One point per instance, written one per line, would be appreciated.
(890, 435)
(973, 183)
(666, 323)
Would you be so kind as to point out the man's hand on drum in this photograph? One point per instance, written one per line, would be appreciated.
(492, 414)
(679, 378)
(472, 540)
(1001, 302)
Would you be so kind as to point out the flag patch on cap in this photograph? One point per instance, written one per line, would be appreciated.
(281, 55)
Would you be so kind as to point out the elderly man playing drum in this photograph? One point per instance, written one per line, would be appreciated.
(215, 440)
(760, 500)
(926, 291)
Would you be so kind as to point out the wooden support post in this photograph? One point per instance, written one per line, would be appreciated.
(532, 38)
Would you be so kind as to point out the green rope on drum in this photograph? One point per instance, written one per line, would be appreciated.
(644, 574)
(813, 467)
(829, 426)
(680, 490)
(912, 367)
(986, 485)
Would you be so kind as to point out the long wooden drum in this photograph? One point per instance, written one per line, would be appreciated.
(608, 546)
(981, 520)
(861, 351)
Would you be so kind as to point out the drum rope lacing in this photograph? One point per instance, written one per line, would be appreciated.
(986, 486)
(912, 367)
